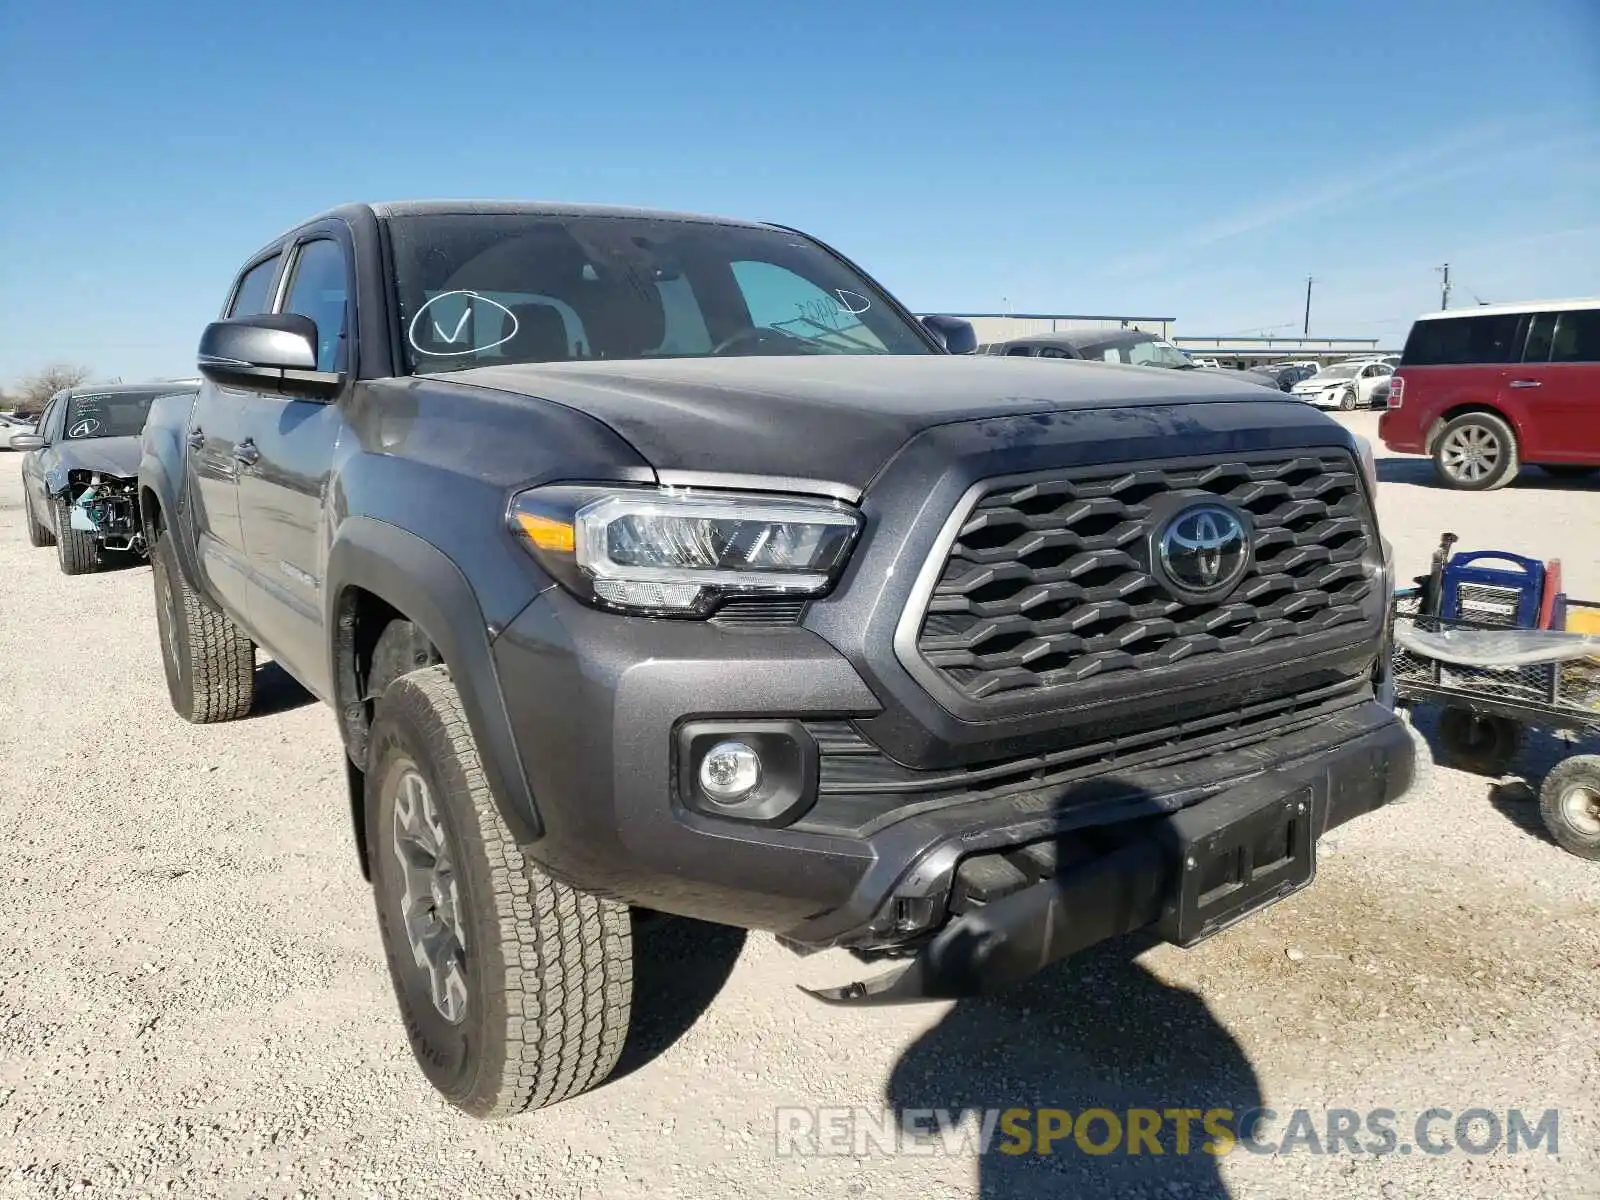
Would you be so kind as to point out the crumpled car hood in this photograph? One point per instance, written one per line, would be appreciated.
(117, 456)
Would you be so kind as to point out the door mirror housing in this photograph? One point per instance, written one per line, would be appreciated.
(27, 441)
(275, 354)
(954, 334)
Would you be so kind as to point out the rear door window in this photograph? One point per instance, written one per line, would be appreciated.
(1577, 337)
(1541, 332)
(1459, 341)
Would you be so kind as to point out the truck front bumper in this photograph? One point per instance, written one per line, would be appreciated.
(1185, 876)
(599, 705)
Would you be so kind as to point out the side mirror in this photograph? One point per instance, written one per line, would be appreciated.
(276, 354)
(27, 441)
(954, 334)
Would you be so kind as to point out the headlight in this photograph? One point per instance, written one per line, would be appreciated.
(677, 553)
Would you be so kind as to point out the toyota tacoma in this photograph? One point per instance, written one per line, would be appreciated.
(663, 564)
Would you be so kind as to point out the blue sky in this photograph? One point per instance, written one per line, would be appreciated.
(1194, 160)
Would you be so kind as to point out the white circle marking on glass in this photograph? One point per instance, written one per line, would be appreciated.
(411, 331)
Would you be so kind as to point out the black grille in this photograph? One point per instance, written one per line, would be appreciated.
(760, 611)
(1048, 582)
(860, 786)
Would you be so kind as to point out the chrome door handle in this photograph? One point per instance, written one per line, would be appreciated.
(246, 454)
(1525, 383)
(196, 439)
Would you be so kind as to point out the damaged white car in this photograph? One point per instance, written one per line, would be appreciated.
(80, 476)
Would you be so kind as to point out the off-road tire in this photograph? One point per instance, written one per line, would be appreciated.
(210, 663)
(1482, 744)
(1580, 837)
(38, 533)
(77, 551)
(1495, 431)
(548, 970)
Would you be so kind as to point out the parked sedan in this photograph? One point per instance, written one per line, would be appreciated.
(1344, 385)
(80, 475)
(10, 423)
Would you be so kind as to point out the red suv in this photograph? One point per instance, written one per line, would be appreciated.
(1484, 390)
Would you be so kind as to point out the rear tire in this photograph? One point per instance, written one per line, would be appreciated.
(210, 664)
(514, 990)
(1484, 745)
(39, 534)
(1476, 452)
(77, 551)
(1569, 802)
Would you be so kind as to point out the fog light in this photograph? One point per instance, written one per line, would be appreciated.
(729, 772)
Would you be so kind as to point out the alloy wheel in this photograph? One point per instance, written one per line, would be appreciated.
(1471, 453)
(430, 902)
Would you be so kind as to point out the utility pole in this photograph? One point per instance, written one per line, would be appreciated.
(1444, 293)
(1306, 331)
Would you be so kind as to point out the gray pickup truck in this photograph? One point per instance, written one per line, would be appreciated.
(657, 563)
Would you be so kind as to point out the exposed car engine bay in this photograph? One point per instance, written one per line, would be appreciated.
(107, 507)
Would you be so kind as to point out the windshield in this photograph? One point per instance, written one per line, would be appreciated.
(107, 414)
(1155, 353)
(1330, 373)
(483, 289)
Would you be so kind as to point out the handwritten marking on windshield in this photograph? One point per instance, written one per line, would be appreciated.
(460, 325)
(472, 298)
(853, 303)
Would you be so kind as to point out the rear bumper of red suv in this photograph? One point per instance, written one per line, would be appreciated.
(1399, 432)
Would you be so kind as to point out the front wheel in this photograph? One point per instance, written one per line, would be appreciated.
(514, 990)
(1569, 802)
(38, 533)
(78, 552)
(1476, 452)
(1347, 402)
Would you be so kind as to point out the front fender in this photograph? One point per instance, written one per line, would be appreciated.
(417, 579)
(155, 483)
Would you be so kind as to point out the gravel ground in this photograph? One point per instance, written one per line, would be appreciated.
(194, 1002)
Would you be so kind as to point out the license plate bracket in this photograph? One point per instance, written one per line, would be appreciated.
(1252, 850)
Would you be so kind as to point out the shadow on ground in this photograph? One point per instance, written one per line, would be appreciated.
(1094, 1031)
(681, 966)
(276, 691)
(1420, 473)
(1097, 1032)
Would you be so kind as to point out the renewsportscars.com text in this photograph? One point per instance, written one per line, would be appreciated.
(861, 1131)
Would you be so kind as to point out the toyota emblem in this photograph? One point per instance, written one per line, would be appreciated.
(1204, 551)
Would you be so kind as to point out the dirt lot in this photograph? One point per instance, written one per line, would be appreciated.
(194, 1000)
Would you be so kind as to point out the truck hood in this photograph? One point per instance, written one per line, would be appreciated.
(117, 456)
(835, 418)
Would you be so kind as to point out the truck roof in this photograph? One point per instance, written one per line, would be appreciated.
(533, 208)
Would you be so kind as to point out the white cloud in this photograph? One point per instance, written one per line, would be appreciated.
(1465, 152)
